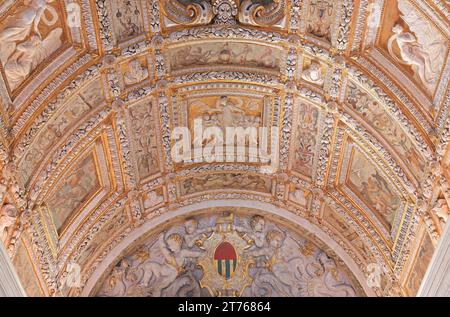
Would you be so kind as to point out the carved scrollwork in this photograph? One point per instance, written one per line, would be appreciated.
(188, 12)
(202, 12)
(262, 13)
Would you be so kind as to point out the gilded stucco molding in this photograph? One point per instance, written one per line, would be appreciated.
(293, 91)
(105, 25)
(66, 91)
(51, 108)
(360, 24)
(343, 29)
(390, 105)
(80, 138)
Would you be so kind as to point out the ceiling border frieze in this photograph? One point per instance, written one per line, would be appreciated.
(382, 155)
(443, 117)
(360, 25)
(344, 24)
(25, 141)
(30, 112)
(367, 83)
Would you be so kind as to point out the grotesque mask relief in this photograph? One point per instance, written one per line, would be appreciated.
(417, 44)
(225, 11)
(28, 37)
(228, 255)
(320, 18)
(201, 12)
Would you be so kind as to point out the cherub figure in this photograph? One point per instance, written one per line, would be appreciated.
(159, 276)
(287, 271)
(257, 235)
(8, 216)
(194, 235)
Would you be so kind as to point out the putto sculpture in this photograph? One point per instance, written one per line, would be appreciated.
(227, 255)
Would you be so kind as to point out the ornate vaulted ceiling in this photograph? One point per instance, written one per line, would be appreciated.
(90, 92)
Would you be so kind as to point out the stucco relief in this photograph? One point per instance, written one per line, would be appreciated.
(314, 72)
(135, 72)
(228, 255)
(73, 110)
(127, 18)
(419, 45)
(217, 181)
(251, 12)
(346, 230)
(8, 217)
(223, 59)
(305, 139)
(232, 54)
(374, 114)
(29, 36)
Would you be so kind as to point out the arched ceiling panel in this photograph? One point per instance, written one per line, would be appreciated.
(356, 91)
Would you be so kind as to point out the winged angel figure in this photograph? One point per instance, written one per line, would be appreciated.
(424, 49)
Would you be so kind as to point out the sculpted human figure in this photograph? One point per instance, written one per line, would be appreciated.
(258, 233)
(23, 23)
(290, 272)
(325, 280)
(22, 46)
(256, 236)
(412, 53)
(194, 235)
(8, 216)
(136, 73)
(228, 110)
(298, 195)
(116, 284)
(159, 276)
